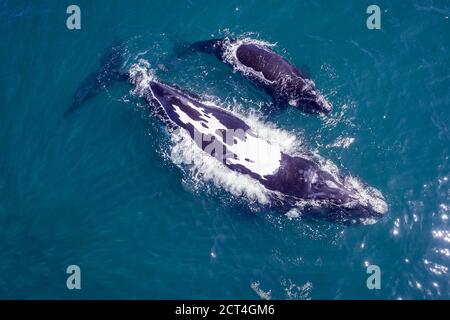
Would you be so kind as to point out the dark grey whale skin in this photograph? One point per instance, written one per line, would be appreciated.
(287, 83)
(290, 183)
(110, 72)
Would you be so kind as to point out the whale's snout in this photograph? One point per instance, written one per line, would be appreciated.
(368, 205)
(324, 106)
(355, 201)
(312, 102)
(366, 214)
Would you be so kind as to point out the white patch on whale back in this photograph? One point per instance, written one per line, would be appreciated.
(253, 152)
(203, 168)
(287, 141)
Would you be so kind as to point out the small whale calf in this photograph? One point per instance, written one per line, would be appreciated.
(258, 62)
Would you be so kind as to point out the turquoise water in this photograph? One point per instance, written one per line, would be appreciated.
(99, 190)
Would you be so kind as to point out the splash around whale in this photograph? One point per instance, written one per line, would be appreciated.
(231, 151)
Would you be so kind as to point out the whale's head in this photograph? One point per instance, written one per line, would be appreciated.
(311, 102)
(352, 201)
(325, 193)
(304, 96)
(367, 206)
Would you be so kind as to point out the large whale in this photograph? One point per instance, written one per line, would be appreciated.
(255, 60)
(290, 180)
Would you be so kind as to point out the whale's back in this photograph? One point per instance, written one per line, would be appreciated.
(270, 64)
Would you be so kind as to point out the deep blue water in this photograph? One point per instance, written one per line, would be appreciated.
(99, 190)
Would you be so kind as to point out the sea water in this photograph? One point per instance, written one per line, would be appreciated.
(106, 189)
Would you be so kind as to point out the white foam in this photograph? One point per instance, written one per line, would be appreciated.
(293, 213)
(297, 292)
(141, 75)
(229, 56)
(343, 142)
(266, 295)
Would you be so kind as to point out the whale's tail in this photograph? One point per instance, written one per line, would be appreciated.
(212, 46)
(184, 49)
(110, 71)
